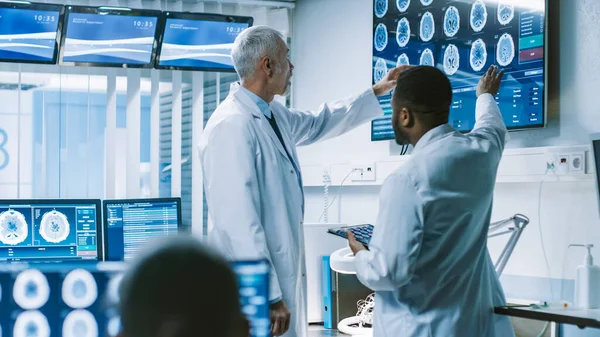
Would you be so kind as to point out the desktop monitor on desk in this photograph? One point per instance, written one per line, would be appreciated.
(130, 224)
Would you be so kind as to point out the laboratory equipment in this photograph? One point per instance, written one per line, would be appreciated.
(29, 32)
(587, 281)
(109, 37)
(253, 283)
(362, 233)
(130, 224)
(50, 230)
(199, 41)
(511, 36)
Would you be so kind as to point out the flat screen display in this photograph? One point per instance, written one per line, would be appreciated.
(28, 33)
(253, 283)
(111, 38)
(199, 42)
(463, 38)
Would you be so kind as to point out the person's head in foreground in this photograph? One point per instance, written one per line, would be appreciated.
(260, 57)
(180, 289)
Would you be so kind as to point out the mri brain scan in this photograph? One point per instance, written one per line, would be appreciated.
(451, 60)
(54, 227)
(403, 32)
(427, 27)
(80, 323)
(403, 60)
(427, 58)
(381, 37)
(31, 289)
(31, 324)
(505, 51)
(451, 21)
(380, 70)
(478, 16)
(478, 55)
(426, 2)
(13, 227)
(114, 326)
(402, 5)
(505, 13)
(381, 7)
(79, 289)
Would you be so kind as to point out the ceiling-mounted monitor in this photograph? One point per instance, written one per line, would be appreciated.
(199, 41)
(463, 38)
(29, 32)
(109, 37)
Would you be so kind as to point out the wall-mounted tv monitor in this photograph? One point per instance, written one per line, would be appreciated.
(110, 37)
(199, 41)
(463, 39)
(29, 33)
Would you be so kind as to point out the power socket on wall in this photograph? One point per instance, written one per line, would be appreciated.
(364, 172)
(566, 163)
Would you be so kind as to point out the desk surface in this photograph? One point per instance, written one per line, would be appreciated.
(580, 318)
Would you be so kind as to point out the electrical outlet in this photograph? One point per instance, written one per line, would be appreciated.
(563, 163)
(364, 172)
(369, 173)
(577, 163)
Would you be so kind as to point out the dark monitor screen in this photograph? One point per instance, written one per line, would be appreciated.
(50, 230)
(109, 37)
(462, 39)
(199, 41)
(131, 224)
(253, 283)
(28, 32)
(596, 157)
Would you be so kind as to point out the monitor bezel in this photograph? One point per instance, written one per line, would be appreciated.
(107, 202)
(545, 101)
(111, 11)
(593, 138)
(197, 17)
(40, 7)
(99, 225)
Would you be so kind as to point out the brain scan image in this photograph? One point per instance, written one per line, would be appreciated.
(426, 2)
(403, 60)
(403, 32)
(113, 288)
(478, 16)
(478, 55)
(427, 27)
(380, 70)
(451, 21)
(381, 7)
(31, 289)
(505, 51)
(79, 289)
(505, 13)
(31, 324)
(402, 5)
(381, 37)
(451, 60)
(80, 323)
(54, 227)
(114, 326)
(13, 228)
(427, 58)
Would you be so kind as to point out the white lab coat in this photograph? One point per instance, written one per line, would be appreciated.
(428, 261)
(254, 198)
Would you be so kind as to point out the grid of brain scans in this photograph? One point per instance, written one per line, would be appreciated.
(59, 301)
(463, 38)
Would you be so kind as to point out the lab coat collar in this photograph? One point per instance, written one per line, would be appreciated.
(433, 135)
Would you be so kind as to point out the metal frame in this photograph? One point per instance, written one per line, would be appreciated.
(518, 223)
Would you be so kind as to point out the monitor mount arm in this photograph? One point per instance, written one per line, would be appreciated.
(513, 226)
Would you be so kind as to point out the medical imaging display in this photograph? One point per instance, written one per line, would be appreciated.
(463, 38)
(47, 231)
(68, 300)
(253, 281)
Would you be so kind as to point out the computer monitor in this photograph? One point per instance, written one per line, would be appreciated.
(57, 230)
(109, 37)
(253, 283)
(595, 142)
(462, 39)
(29, 32)
(60, 299)
(199, 41)
(131, 223)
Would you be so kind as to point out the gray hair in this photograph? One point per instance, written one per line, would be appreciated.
(251, 45)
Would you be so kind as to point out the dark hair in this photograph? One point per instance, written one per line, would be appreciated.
(178, 289)
(426, 92)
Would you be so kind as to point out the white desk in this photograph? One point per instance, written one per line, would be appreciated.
(580, 318)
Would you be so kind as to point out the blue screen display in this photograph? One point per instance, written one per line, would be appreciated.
(27, 34)
(48, 232)
(130, 225)
(60, 300)
(109, 39)
(253, 281)
(199, 44)
(463, 39)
